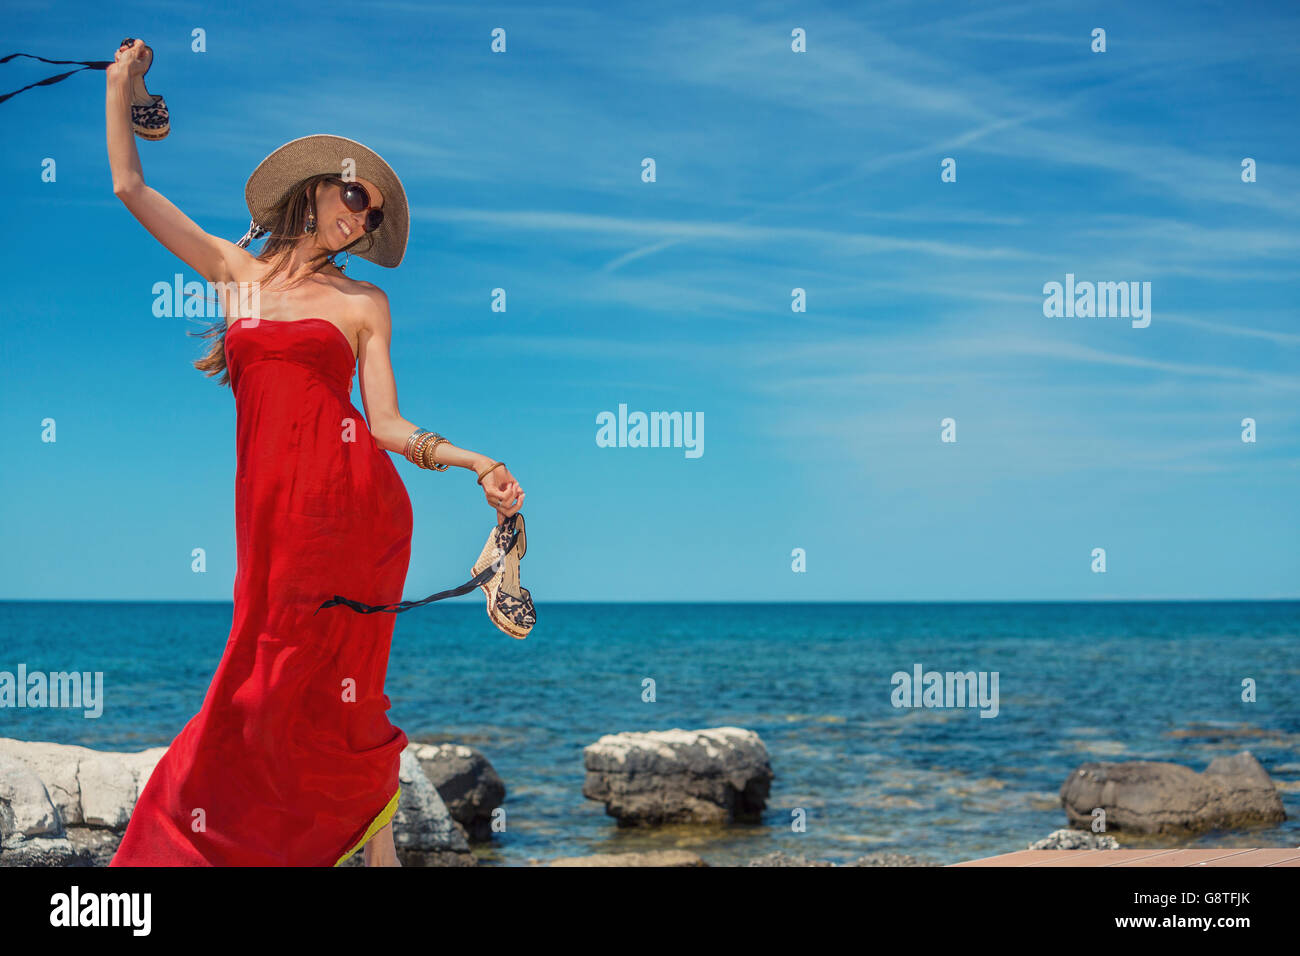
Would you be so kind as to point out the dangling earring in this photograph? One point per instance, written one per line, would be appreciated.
(310, 227)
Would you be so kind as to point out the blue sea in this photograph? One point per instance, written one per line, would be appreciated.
(1077, 683)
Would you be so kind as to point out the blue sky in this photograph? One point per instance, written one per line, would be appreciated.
(775, 171)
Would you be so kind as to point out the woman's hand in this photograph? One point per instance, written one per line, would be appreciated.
(503, 492)
(129, 62)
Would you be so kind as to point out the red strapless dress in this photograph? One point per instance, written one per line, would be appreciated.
(292, 760)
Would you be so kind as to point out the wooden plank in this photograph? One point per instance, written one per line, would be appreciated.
(1147, 855)
(1263, 857)
(1103, 857)
(1018, 858)
(1074, 858)
(1224, 856)
(1189, 857)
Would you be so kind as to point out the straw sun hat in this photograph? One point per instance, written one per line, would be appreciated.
(309, 156)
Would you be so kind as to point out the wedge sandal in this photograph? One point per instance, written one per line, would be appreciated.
(149, 116)
(509, 603)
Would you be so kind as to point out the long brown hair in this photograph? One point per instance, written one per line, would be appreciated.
(287, 223)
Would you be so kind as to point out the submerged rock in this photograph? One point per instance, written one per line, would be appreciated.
(891, 859)
(719, 775)
(1075, 840)
(652, 858)
(781, 858)
(1151, 797)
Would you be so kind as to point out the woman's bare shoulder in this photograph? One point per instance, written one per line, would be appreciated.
(370, 305)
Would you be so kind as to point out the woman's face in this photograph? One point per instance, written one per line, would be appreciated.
(337, 226)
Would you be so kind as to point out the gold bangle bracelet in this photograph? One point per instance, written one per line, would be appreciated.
(433, 454)
(489, 471)
(430, 454)
(418, 448)
(423, 451)
(410, 444)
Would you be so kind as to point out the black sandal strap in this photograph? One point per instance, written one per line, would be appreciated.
(50, 81)
(465, 588)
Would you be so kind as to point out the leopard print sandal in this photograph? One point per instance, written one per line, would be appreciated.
(509, 604)
(149, 116)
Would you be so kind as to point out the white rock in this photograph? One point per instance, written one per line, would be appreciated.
(25, 807)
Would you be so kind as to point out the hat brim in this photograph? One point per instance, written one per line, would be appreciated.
(322, 153)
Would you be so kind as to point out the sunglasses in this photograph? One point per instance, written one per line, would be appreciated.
(356, 199)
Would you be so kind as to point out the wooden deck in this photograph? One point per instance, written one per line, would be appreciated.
(1235, 856)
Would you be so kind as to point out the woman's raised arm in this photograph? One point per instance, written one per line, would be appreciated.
(216, 259)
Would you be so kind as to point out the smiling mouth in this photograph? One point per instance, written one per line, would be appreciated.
(343, 228)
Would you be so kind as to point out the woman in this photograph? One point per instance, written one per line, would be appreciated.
(292, 760)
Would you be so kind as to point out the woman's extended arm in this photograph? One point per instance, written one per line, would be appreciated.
(213, 258)
(391, 430)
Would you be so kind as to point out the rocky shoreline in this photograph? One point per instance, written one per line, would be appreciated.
(66, 805)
